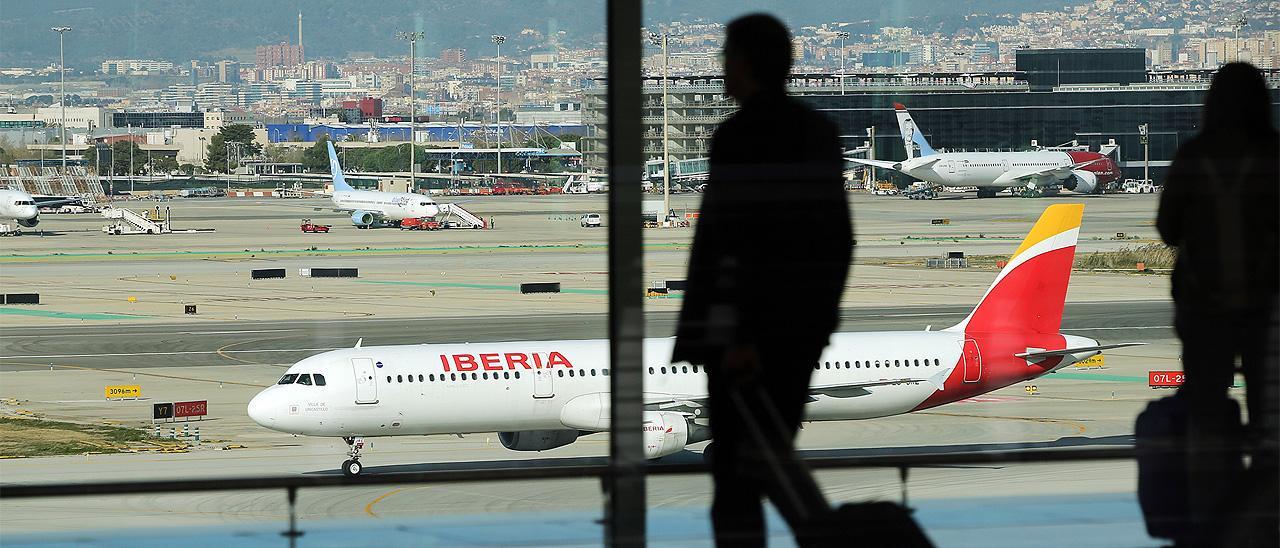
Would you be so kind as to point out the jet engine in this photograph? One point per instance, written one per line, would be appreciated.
(537, 440)
(362, 219)
(29, 223)
(1081, 181)
(665, 434)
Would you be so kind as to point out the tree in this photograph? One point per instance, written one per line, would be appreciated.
(316, 158)
(216, 158)
(187, 169)
(120, 158)
(164, 164)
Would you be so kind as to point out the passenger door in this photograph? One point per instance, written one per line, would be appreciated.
(366, 380)
(543, 386)
(972, 361)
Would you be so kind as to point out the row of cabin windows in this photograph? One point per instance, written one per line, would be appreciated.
(506, 375)
(674, 370)
(870, 363)
(305, 379)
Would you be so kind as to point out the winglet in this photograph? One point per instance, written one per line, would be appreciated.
(899, 106)
(335, 168)
(359, 342)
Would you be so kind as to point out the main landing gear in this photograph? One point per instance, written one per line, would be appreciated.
(352, 467)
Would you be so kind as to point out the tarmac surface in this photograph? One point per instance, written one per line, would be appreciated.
(454, 286)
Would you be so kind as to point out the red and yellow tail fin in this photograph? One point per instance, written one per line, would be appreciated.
(1029, 293)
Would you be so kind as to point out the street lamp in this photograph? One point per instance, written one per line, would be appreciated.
(661, 40)
(412, 38)
(842, 35)
(131, 145)
(62, 76)
(497, 98)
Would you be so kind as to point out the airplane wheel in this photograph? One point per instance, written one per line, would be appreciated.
(351, 468)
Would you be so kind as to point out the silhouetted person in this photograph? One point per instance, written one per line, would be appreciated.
(766, 272)
(1220, 209)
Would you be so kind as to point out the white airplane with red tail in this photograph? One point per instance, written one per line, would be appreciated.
(539, 395)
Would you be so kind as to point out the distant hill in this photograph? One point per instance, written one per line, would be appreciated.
(179, 30)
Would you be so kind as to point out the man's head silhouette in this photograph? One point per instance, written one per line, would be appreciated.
(1238, 102)
(757, 56)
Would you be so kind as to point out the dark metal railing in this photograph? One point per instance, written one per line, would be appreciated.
(292, 483)
(12, 491)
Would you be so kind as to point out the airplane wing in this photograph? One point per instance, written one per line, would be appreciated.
(1060, 172)
(877, 163)
(688, 403)
(57, 202)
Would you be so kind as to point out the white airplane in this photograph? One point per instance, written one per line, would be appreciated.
(539, 395)
(1030, 171)
(372, 208)
(23, 208)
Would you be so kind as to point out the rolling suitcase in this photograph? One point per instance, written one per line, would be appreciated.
(797, 497)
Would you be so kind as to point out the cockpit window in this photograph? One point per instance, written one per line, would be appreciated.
(288, 378)
(319, 379)
(423, 203)
(305, 379)
(23, 202)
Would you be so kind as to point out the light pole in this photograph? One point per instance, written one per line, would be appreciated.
(131, 145)
(62, 77)
(661, 40)
(413, 38)
(842, 35)
(1238, 24)
(1144, 137)
(497, 98)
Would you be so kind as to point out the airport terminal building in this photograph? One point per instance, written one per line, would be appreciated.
(1055, 97)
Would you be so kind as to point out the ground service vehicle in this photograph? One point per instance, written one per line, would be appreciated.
(418, 223)
(591, 220)
(308, 226)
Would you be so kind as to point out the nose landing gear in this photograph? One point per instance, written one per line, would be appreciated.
(352, 467)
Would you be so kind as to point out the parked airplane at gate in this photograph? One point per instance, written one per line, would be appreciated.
(370, 207)
(22, 207)
(1026, 171)
(540, 395)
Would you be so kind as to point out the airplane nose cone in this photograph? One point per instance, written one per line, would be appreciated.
(261, 410)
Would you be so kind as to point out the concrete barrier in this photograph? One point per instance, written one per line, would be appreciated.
(540, 287)
(20, 298)
(262, 273)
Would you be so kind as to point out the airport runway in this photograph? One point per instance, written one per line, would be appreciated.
(284, 342)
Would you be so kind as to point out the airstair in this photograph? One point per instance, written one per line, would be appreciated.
(456, 216)
(127, 221)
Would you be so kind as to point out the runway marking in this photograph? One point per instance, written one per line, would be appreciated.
(1080, 427)
(67, 315)
(224, 352)
(150, 334)
(174, 353)
(368, 508)
(122, 371)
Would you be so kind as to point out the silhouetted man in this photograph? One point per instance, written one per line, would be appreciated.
(1220, 208)
(766, 272)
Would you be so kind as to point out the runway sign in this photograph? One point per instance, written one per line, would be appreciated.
(20, 298)
(1095, 362)
(190, 408)
(161, 411)
(540, 287)
(1165, 379)
(263, 273)
(123, 391)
